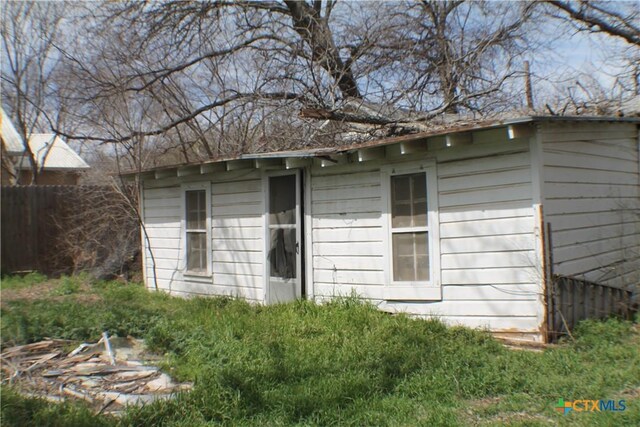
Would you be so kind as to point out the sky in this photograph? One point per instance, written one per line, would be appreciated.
(582, 55)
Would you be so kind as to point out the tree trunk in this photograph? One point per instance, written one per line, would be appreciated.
(315, 31)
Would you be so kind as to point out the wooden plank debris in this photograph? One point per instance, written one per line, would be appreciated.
(42, 360)
(110, 374)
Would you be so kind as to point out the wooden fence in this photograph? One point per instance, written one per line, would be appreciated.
(572, 300)
(37, 221)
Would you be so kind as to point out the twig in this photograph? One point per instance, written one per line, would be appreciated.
(564, 322)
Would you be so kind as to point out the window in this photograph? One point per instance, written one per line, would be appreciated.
(412, 232)
(196, 213)
(409, 228)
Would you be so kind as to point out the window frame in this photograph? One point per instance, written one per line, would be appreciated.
(412, 290)
(198, 186)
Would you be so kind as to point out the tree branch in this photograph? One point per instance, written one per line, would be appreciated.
(631, 33)
(336, 115)
(281, 96)
(161, 74)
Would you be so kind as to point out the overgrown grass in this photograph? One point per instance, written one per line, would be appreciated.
(18, 282)
(342, 363)
(20, 411)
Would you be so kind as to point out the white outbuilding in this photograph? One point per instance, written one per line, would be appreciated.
(469, 224)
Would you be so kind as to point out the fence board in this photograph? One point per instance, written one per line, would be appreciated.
(573, 300)
(33, 220)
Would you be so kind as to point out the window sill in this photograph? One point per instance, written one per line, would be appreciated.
(412, 293)
(194, 275)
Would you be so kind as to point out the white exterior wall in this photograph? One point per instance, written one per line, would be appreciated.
(585, 175)
(592, 200)
(490, 270)
(236, 235)
(162, 217)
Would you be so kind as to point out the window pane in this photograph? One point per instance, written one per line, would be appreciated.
(197, 252)
(401, 215)
(282, 253)
(409, 200)
(419, 183)
(403, 271)
(419, 198)
(422, 256)
(403, 257)
(400, 201)
(403, 244)
(422, 272)
(196, 210)
(410, 257)
(282, 200)
(401, 190)
(419, 214)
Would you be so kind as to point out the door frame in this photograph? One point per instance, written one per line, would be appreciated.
(300, 232)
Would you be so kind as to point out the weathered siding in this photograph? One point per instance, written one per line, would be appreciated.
(592, 199)
(347, 231)
(161, 209)
(489, 270)
(236, 236)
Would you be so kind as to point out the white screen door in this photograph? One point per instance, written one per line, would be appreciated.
(284, 244)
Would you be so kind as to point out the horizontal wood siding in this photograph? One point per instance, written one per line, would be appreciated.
(164, 232)
(592, 199)
(236, 236)
(489, 269)
(347, 230)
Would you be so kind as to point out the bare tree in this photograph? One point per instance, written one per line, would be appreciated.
(32, 95)
(198, 80)
(223, 77)
(455, 56)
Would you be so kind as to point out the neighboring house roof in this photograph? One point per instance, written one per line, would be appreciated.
(54, 153)
(49, 149)
(10, 137)
(438, 130)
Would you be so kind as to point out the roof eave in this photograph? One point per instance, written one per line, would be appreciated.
(320, 152)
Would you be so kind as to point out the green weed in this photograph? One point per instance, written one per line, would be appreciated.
(19, 282)
(19, 411)
(67, 286)
(341, 363)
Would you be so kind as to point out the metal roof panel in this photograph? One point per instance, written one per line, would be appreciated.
(54, 153)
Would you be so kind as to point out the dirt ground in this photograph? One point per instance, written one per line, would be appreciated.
(49, 289)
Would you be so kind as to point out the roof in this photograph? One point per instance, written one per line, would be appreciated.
(47, 147)
(12, 140)
(55, 153)
(438, 131)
